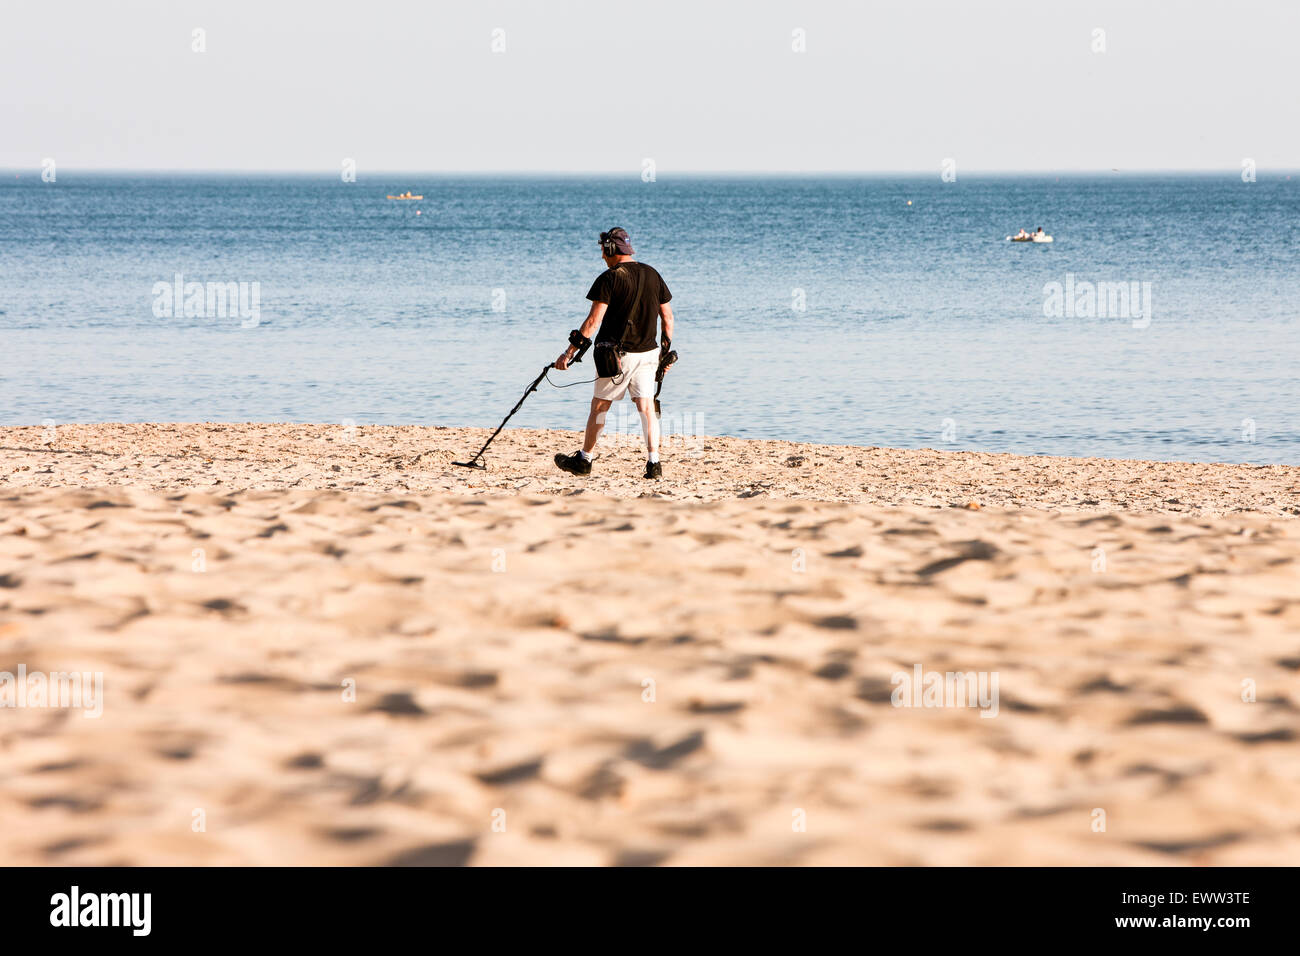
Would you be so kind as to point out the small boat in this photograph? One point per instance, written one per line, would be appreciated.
(406, 195)
(1029, 238)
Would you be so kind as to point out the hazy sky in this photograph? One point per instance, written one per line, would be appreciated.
(698, 85)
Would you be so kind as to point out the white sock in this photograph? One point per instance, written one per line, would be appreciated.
(654, 458)
(584, 455)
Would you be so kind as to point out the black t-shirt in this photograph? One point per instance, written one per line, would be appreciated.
(633, 291)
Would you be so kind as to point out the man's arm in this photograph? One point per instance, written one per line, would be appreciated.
(588, 329)
(666, 324)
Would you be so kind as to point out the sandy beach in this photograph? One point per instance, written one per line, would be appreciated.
(327, 645)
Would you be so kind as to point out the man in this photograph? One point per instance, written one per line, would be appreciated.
(626, 300)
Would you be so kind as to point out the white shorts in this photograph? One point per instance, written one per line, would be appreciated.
(637, 377)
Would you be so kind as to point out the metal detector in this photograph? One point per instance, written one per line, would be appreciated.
(475, 462)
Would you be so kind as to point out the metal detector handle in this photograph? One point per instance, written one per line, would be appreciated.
(582, 350)
(665, 363)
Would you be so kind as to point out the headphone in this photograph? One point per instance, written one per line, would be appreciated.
(609, 242)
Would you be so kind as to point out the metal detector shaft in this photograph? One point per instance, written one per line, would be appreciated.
(472, 463)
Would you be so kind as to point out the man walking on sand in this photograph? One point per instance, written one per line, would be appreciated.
(626, 300)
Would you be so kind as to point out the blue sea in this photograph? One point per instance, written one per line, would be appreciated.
(865, 310)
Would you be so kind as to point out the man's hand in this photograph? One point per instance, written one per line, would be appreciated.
(562, 362)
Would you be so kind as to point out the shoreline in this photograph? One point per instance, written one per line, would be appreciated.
(411, 458)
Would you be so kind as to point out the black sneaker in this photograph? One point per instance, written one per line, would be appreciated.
(574, 464)
(653, 469)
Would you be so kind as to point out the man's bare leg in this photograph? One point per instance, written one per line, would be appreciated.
(595, 422)
(649, 426)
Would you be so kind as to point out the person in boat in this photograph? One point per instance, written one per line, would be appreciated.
(1039, 233)
(1022, 234)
